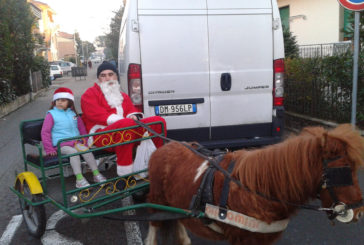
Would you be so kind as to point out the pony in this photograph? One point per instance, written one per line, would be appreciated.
(275, 181)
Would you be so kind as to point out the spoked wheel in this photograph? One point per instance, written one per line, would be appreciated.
(34, 216)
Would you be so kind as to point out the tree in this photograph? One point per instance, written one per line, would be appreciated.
(100, 41)
(79, 44)
(84, 48)
(348, 30)
(88, 48)
(6, 45)
(290, 44)
(112, 38)
(17, 43)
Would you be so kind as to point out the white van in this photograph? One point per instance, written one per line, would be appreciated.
(213, 69)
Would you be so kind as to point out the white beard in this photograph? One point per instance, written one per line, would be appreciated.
(111, 91)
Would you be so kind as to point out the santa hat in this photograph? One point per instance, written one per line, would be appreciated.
(63, 93)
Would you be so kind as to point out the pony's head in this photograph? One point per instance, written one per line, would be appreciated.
(342, 152)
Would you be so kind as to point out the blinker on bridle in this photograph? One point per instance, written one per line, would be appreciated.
(338, 177)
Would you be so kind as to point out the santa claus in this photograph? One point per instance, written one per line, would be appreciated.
(105, 107)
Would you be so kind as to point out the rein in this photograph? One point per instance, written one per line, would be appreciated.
(332, 177)
(211, 159)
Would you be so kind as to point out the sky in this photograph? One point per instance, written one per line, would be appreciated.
(91, 18)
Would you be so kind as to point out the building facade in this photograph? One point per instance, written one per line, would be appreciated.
(48, 28)
(314, 21)
(66, 45)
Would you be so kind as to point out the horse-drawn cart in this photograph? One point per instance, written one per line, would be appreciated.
(245, 197)
(34, 191)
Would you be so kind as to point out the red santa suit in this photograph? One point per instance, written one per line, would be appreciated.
(99, 116)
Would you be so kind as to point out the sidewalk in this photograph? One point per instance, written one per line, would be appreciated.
(78, 87)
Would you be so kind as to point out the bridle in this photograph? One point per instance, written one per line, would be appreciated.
(338, 177)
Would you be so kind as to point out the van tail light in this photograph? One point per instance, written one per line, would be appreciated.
(278, 83)
(135, 86)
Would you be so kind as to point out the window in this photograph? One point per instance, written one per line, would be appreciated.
(284, 13)
(348, 24)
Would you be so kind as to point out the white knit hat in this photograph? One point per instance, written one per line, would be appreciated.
(63, 93)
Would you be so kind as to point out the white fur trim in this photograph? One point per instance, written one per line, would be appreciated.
(124, 170)
(93, 130)
(113, 118)
(63, 95)
(119, 110)
(135, 113)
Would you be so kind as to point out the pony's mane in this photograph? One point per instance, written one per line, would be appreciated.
(290, 170)
(354, 142)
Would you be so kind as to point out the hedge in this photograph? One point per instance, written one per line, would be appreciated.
(322, 87)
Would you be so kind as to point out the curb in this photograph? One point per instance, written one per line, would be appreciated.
(295, 122)
(18, 102)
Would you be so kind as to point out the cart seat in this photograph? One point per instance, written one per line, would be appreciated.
(47, 160)
(31, 134)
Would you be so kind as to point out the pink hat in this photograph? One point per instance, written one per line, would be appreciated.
(63, 93)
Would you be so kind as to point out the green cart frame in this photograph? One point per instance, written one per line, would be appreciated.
(33, 192)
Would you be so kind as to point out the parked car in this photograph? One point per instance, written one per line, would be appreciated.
(51, 78)
(96, 59)
(56, 71)
(66, 66)
(218, 78)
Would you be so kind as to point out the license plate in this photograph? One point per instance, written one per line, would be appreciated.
(175, 109)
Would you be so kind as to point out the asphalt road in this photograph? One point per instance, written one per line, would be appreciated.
(307, 227)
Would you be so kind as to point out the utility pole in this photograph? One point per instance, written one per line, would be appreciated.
(357, 6)
(83, 54)
(87, 51)
(355, 67)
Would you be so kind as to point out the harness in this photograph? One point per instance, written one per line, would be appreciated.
(331, 177)
(204, 193)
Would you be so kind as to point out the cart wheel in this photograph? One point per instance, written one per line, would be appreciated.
(34, 216)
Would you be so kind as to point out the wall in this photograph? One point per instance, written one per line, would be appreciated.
(65, 48)
(12, 106)
(321, 24)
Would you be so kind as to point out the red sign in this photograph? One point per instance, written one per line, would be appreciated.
(355, 5)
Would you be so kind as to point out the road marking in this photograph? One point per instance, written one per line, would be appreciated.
(132, 230)
(13, 225)
(51, 236)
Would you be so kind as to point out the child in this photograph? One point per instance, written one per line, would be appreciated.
(62, 121)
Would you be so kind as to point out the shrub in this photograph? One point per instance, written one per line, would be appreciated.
(41, 64)
(321, 87)
(17, 44)
(7, 93)
(290, 44)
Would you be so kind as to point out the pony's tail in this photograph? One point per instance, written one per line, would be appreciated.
(169, 232)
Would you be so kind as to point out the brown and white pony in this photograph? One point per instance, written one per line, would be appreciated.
(290, 171)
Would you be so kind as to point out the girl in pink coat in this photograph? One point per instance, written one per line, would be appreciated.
(62, 121)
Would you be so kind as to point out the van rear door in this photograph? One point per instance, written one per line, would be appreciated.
(240, 62)
(174, 59)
